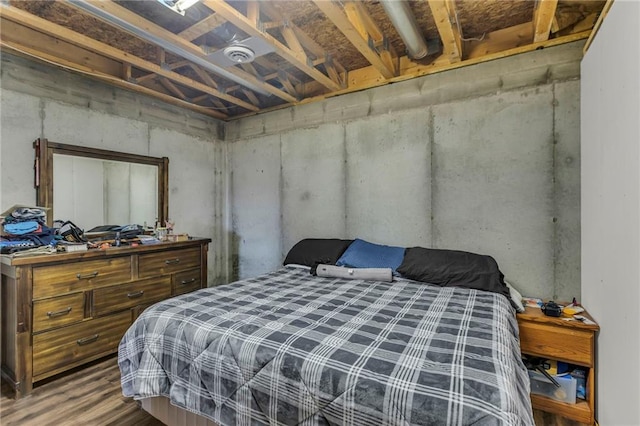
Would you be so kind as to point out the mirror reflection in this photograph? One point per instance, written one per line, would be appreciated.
(92, 192)
(95, 187)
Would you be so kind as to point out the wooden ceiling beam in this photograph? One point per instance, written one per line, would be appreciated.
(319, 54)
(500, 40)
(202, 27)
(445, 17)
(363, 22)
(16, 47)
(369, 77)
(336, 15)
(292, 41)
(370, 31)
(204, 76)
(48, 43)
(172, 88)
(543, 14)
(126, 71)
(178, 64)
(167, 36)
(286, 83)
(42, 25)
(295, 58)
(215, 101)
(314, 48)
(252, 97)
(146, 77)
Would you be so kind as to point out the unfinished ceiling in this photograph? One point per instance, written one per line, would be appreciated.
(229, 59)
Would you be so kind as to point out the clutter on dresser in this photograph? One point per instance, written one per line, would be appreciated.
(551, 309)
(24, 228)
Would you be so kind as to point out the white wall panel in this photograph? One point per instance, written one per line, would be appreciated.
(610, 112)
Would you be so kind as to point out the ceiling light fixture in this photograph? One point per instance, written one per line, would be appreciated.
(179, 6)
(239, 54)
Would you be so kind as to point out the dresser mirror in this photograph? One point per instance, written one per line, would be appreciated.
(94, 187)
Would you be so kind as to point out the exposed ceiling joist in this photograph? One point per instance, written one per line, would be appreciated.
(335, 70)
(296, 58)
(202, 27)
(444, 14)
(302, 50)
(16, 47)
(370, 31)
(545, 11)
(172, 88)
(337, 15)
(41, 25)
(159, 33)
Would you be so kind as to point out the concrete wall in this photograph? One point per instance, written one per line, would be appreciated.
(611, 209)
(41, 101)
(484, 158)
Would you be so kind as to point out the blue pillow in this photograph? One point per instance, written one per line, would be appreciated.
(362, 254)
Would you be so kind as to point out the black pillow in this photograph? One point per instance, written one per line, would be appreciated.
(312, 251)
(453, 268)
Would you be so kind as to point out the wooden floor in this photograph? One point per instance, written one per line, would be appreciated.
(88, 396)
(91, 396)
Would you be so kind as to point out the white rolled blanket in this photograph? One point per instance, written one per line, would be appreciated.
(373, 274)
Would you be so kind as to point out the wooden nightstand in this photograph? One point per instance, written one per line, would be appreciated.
(562, 340)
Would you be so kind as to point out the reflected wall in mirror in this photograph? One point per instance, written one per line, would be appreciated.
(93, 187)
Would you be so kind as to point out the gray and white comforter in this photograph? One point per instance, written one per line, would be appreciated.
(290, 348)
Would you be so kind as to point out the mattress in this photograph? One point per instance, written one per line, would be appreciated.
(290, 348)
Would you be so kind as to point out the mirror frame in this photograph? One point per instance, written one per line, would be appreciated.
(44, 171)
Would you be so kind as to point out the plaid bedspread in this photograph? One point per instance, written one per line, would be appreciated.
(290, 348)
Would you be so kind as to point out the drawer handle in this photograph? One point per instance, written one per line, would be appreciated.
(170, 261)
(135, 294)
(185, 282)
(88, 276)
(52, 314)
(87, 340)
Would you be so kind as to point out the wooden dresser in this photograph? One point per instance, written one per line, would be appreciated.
(62, 310)
(562, 340)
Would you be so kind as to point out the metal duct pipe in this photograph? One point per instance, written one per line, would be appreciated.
(405, 23)
(175, 49)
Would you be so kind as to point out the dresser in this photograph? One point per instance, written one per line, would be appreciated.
(63, 310)
(563, 340)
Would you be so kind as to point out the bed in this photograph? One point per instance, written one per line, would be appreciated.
(291, 348)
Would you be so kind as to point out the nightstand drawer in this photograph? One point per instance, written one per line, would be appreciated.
(118, 297)
(58, 348)
(556, 342)
(59, 311)
(151, 265)
(66, 278)
(185, 282)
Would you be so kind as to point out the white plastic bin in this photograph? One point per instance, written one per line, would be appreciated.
(542, 386)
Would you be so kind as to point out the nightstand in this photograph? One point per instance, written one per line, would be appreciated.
(562, 340)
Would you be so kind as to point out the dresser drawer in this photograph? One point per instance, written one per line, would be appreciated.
(556, 342)
(118, 297)
(187, 281)
(154, 264)
(59, 311)
(71, 277)
(72, 344)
